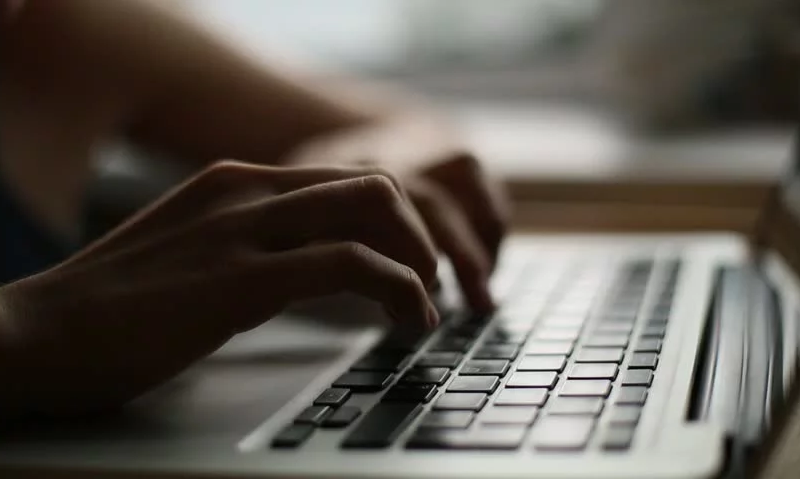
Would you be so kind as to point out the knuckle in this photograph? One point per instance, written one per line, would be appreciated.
(379, 191)
(353, 255)
(223, 174)
(409, 284)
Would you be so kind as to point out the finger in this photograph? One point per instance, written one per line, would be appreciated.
(456, 237)
(321, 270)
(368, 210)
(481, 199)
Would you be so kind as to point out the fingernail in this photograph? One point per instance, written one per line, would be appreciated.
(433, 316)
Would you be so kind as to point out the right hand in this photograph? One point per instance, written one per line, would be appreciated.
(219, 255)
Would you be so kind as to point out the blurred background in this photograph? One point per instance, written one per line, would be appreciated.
(659, 64)
(555, 90)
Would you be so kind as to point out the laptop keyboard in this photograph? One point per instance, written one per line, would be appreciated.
(564, 365)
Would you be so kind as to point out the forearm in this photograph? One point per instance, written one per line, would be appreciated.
(217, 101)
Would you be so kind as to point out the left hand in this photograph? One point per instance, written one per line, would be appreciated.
(464, 210)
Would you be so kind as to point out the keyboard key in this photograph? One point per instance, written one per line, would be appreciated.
(549, 348)
(400, 341)
(313, 415)
(557, 433)
(614, 328)
(497, 351)
(635, 395)
(381, 426)
(426, 376)
(447, 420)
(509, 415)
(618, 438)
(485, 367)
(503, 336)
(600, 355)
(542, 363)
(411, 393)
(657, 332)
(522, 397)
(556, 334)
(538, 379)
(607, 341)
(650, 345)
(487, 438)
(586, 388)
(459, 344)
(461, 401)
(637, 377)
(332, 397)
(364, 381)
(440, 360)
(575, 406)
(643, 361)
(293, 436)
(593, 371)
(625, 414)
(474, 384)
(382, 361)
(564, 320)
(341, 417)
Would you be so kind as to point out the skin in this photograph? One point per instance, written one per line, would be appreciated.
(396, 186)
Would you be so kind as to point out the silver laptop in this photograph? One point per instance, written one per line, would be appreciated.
(610, 356)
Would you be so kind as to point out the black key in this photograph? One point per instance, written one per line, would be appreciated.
(497, 351)
(509, 415)
(382, 361)
(382, 425)
(618, 438)
(460, 401)
(593, 371)
(643, 361)
(488, 438)
(533, 379)
(635, 395)
(586, 388)
(542, 363)
(341, 417)
(549, 348)
(293, 436)
(637, 377)
(474, 384)
(426, 376)
(522, 397)
(576, 406)
(485, 367)
(364, 381)
(440, 360)
(557, 433)
(400, 341)
(657, 332)
(650, 345)
(332, 397)
(625, 415)
(447, 420)
(313, 415)
(607, 341)
(458, 344)
(600, 355)
(411, 393)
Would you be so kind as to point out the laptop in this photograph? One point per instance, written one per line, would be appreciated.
(611, 356)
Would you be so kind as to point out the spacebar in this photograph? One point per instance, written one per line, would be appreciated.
(382, 425)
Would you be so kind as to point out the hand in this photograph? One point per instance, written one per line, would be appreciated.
(464, 210)
(216, 256)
